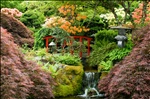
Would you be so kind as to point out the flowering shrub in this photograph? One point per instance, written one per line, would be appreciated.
(70, 21)
(13, 12)
(110, 16)
(138, 14)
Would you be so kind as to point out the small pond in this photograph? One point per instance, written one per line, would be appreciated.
(76, 97)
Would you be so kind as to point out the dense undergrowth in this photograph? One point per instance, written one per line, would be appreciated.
(105, 52)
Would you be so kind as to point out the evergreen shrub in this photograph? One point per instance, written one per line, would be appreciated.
(105, 35)
(96, 24)
(105, 49)
(68, 59)
(33, 19)
(39, 41)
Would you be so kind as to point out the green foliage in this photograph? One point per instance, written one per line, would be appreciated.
(25, 48)
(99, 54)
(68, 59)
(96, 24)
(117, 54)
(69, 80)
(43, 56)
(106, 51)
(11, 4)
(58, 33)
(105, 35)
(64, 90)
(51, 68)
(105, 66)
(78, 46)
(67, 77)
(39, 42)
(103, 44)
(41, 52)
(48, 8)
(33, 18)
(61, 35)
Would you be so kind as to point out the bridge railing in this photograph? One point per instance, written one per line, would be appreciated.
(80, 38)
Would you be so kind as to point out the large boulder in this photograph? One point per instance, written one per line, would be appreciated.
(22, 35)
(69, 80)
(130, 78)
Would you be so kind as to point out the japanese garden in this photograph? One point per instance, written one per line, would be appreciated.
(98, 49)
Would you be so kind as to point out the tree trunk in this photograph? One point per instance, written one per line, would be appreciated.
(115, 15)
(94, 13)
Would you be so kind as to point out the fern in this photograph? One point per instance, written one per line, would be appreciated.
(105, 66)
(39, 42)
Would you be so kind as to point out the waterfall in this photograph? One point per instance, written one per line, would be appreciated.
(90, 81)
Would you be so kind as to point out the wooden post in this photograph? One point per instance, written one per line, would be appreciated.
(80, 47)
(71, 50)
(88, 51)
(71, 42)
(46, 44)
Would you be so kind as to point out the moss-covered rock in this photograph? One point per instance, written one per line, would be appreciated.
(69, 81)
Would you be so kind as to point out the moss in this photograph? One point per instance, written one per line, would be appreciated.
(63, 90)
(74, 69)
(69, 80)
(104, 74)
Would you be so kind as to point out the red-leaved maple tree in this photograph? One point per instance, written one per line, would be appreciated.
(21, 34)
(130, 78)
(21, 79)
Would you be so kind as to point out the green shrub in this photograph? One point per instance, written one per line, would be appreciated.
(105, 66)
(105, 36)
(117, 54)
(56, 32)
(68, 59)
(39, 42)
(99, 54)
(95, 25)
(33, 18)
(107, 50)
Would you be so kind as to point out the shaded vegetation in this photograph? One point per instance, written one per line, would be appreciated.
(105, 49)
(33, 19)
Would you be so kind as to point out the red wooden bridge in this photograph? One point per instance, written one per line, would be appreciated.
(80, 38)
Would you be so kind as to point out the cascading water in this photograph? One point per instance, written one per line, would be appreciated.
(90, 81)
